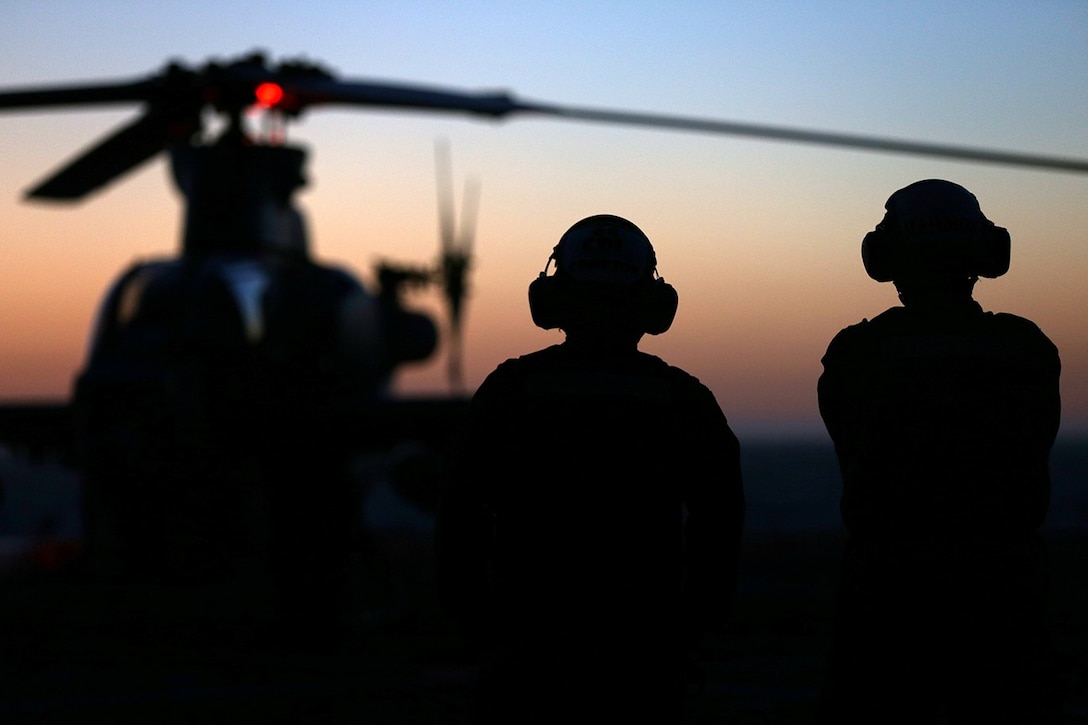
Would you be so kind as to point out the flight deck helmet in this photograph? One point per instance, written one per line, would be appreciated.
(935, 227)
(605, 273)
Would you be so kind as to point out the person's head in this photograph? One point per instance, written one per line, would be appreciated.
(934, 239)
(605, 281)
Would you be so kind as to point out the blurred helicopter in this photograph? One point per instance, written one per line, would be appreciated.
(227, 311)
(238, 185)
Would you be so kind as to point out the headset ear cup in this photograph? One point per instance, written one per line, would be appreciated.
(995, 252)
(660, 307)
(546, 302)
(878, 255)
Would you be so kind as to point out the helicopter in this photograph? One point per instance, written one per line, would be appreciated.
(209, 172)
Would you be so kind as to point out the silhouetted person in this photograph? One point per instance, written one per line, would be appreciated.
(943, 417)
(593, 524)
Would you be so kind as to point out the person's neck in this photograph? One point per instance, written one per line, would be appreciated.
(603, 342)
(937, 293)
(935, 299)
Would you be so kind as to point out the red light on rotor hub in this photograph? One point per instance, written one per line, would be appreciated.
(268, 94)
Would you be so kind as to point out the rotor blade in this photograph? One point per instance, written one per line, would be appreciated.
(444, 180)
(470, 205)
(116, 155)
(823, 138)
(304, 89)
(500, 104)
(81, 95)
(304, 92)
(456, 262)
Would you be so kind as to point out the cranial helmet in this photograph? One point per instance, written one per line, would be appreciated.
(605, 267)
(935, 227)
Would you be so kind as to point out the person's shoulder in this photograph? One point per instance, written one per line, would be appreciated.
(860, 332)
(678, 374)
(856, 343)
(515, 368)
(1024, 331)
(890, 320)
(529, 361)
(681, 380)
(1015, 324)
(702, 416)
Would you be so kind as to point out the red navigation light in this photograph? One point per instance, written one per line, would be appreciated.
(269, 94)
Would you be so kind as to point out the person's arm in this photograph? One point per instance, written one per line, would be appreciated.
(714, 497)
(842, 389)
(464, 531)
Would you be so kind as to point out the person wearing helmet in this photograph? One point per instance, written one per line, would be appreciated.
(563, 547)
(942, 416)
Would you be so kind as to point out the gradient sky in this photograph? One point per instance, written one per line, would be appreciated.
(760, 238)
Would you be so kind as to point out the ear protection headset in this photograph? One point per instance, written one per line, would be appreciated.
(932, 226)
(599, 261)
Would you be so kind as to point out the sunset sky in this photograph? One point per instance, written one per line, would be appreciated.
(760, 238)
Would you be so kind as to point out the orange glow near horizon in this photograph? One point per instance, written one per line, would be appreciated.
(753, 322)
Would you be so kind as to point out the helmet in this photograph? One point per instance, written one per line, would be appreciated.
(605, 270)
(935, 226)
